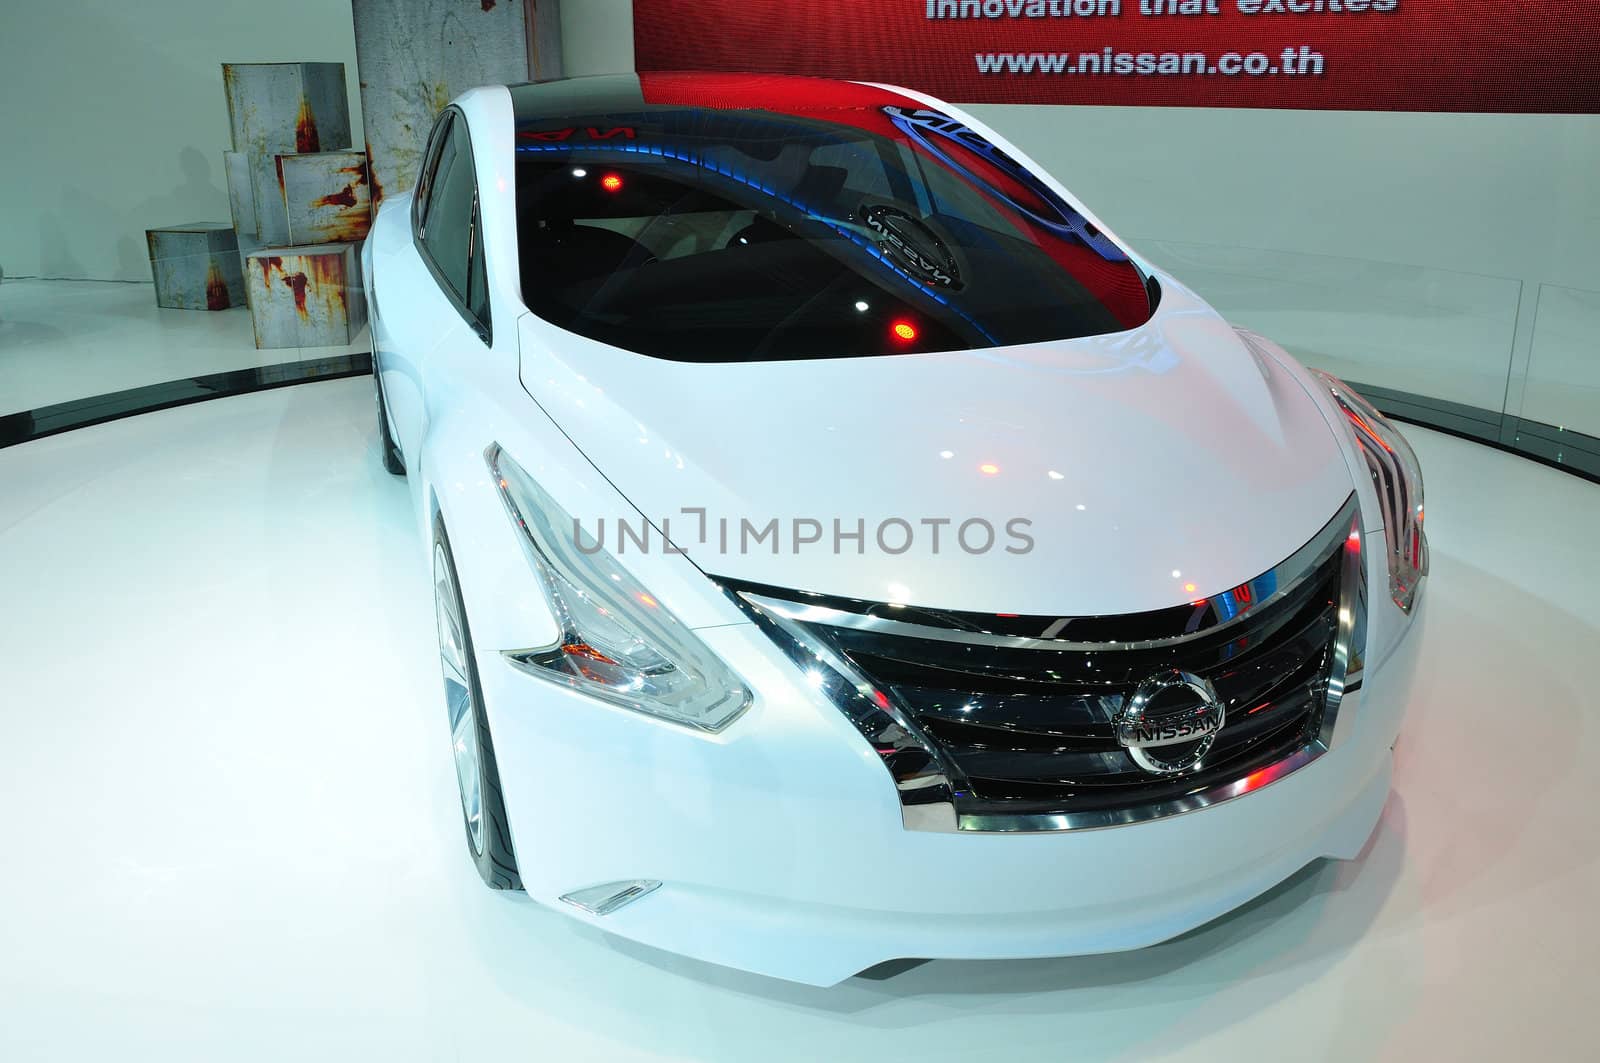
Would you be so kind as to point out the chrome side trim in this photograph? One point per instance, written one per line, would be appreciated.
(1283, 579)
(1350, 641)
(926, 778)
(610, 896)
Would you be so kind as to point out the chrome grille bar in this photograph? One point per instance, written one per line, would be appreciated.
(841, 645)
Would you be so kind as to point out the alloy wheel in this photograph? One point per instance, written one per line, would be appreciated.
(459, 696)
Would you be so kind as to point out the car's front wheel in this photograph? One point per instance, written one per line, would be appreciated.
(477, 776)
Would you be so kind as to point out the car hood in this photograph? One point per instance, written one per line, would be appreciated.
(1147, 468)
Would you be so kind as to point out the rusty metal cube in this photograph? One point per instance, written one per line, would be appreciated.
(196, 266)
(305, 296)
(325, 196)
(281, 108)
(272, 219)
(241, 194)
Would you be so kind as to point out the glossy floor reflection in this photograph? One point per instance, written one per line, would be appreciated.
(229, 826)
(66, 340)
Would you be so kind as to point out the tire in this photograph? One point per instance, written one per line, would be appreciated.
(483, 810)
(392, 459)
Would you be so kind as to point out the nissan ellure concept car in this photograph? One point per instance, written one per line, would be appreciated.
(846, 549)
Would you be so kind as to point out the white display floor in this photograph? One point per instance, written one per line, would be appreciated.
(65, 340)
(229, 825)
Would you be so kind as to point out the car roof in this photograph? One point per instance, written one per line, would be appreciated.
(539, 103)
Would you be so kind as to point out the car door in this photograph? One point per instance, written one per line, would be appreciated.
(439, 311)
(406, 318)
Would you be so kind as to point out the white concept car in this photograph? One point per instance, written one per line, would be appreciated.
(846, 549)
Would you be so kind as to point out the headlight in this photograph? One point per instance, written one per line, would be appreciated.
(1398, 480)
(617, 642)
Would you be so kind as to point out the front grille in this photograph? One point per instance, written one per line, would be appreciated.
(1012, 728)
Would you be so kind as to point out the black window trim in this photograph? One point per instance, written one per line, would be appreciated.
(430, 159)
(450, 120)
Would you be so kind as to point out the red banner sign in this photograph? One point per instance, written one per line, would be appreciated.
(1395, 55)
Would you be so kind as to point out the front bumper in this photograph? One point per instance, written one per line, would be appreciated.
(780, 847)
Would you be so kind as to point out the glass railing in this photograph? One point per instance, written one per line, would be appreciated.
(1477, 355)
(76, 352)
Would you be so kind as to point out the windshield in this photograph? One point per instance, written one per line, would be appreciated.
(743, 234)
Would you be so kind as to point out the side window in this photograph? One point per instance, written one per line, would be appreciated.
(430, 164)
(448, 231)
(447, 216)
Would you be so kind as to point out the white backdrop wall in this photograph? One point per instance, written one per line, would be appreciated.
(114, 119)
(1413, 251)
(1451, 255)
